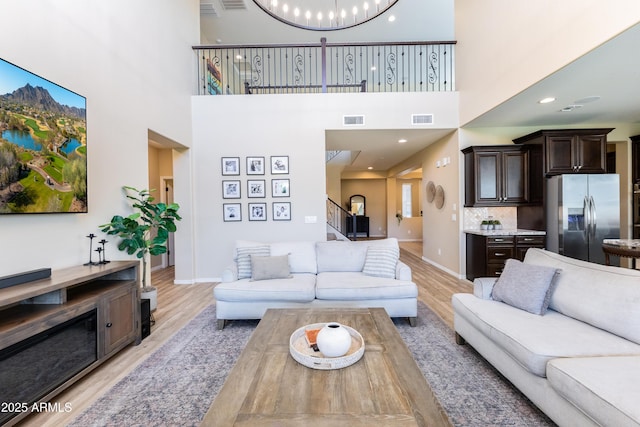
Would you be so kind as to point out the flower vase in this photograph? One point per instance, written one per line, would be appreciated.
(334, 340)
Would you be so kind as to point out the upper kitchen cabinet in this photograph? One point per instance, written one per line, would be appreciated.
(497, 175)
(570, 150)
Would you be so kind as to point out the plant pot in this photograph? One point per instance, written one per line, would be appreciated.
(152, 295)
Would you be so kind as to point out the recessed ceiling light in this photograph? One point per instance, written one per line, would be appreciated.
(373, 68)
(392, 18)
(546, 100)
(370, 167)
(402, 141)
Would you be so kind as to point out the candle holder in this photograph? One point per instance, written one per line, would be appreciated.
(104, 252)
(91, 236)
(99, 250)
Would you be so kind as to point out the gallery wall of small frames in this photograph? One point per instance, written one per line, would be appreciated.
(254, 185)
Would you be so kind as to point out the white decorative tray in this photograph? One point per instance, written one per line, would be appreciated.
(305, 355)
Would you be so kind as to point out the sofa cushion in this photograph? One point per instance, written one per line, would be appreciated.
(299, 288)
(381, 261)
(603, 296)
(534, 340)
(270, 267)
(339, 255)
(347, 255)
(604, 388)
(302, 255)
(358, 286)
(525, 286)
(244, 254)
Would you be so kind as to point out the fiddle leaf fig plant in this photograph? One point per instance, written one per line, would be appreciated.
(136, 230)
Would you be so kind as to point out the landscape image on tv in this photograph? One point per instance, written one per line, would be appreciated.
(43, 145)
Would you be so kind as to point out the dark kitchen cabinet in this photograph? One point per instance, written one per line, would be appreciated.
(571, 150)
(496, 175)
(487, 255)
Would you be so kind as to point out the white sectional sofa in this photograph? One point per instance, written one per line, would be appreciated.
(579, 361)
(319, 274)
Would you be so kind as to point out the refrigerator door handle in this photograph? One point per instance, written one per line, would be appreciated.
(594, 218)
(586, 214)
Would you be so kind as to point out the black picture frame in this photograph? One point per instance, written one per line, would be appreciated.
(231, 189)
(257, 211)
(230, 166)
(256, 188)
(280, 187)
(279, 165)
(255, 166)
(281, 211)
(232, 212)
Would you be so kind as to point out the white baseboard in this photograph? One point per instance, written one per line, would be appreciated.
(198, 280)
(184, 282)
(443, 268)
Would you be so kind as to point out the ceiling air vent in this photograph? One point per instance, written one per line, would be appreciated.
(233, 4)
(422, 119)
(208, 9)
(353, 120)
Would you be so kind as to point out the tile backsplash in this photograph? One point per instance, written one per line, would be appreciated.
(508, 217)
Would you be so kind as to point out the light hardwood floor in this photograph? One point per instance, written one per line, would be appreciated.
(178, 304)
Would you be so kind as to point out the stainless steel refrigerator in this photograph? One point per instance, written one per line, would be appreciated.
(581, 211)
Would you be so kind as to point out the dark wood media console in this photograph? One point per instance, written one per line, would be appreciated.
(30, 309)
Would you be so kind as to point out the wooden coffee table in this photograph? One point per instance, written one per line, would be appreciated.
(268, 387)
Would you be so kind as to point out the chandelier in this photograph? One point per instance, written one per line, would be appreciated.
(324, 15)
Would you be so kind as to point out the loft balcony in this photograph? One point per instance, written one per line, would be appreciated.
(325, 68)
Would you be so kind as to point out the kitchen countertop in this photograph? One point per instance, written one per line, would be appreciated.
(506, 232)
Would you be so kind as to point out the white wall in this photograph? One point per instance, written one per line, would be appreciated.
(134, 64)
(441, 227)
(293, 125)
(506, 46)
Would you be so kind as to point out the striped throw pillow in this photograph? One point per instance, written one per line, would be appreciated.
(244, 258)
(381, 261)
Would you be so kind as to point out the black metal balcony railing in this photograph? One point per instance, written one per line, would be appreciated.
(326, 68)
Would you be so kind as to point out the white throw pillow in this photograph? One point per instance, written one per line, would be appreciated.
(244, 258)
(381, 261)
(525, 286)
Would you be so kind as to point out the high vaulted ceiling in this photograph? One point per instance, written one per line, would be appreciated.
(601, 87)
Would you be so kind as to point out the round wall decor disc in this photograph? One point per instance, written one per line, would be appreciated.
(439, 197)
(431, 191)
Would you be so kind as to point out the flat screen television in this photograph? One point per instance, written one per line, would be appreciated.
(43, 145)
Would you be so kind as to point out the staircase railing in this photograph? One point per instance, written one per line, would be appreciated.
(339, 218)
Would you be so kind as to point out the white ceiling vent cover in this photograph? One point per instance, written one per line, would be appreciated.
(208, 9)
(233, 4)
(353, 120)
(422, 119)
